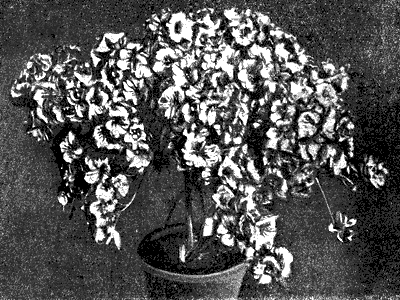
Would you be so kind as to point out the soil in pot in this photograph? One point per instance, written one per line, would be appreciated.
(217, 273)
(162, 252)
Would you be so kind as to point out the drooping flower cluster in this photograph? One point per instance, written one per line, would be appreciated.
(255, 236)
(228, 95)
(97, 101)
(44, 84)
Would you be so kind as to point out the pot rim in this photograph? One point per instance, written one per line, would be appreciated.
(179, 276)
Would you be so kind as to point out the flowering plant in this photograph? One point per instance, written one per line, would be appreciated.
(231, 97)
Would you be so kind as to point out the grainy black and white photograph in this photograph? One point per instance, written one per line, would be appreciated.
(199, 149)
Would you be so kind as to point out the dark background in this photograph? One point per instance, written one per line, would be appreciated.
(44, 255)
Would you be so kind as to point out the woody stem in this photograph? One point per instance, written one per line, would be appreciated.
(326, 200)
(189, 210)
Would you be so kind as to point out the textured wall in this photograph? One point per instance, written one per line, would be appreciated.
(45, 254)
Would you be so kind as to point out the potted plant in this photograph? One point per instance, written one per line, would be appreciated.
(229, 99)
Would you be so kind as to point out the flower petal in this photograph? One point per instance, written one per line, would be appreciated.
(265, 279)
(222, 229)
(331, 228)
(92, 177)
(228, 240)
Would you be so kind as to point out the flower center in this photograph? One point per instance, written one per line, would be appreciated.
(178, 27)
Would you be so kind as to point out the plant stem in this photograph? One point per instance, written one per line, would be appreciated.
(326, 200)
(175, 201)
(137, 189)
(189, 210)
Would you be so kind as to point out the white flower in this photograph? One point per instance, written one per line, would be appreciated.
(164, 56)
(224, 230)
(265, 279)
(211, 116)
(329, 68)
(257, 51)
(209, 61)
(307, 124)
(244, 74)
(286, 259)
(62, 199)
(341, 227)
(99, 235)
(339, 165)
(232, 16)
(113, 234)
(282, 52)
(227, 54)
(38, 66)
(86, 79)
(208, 227)
(251, 168)
(164, 53)
(275, 265)
(119, 122)
(123, 62)
(223, 196)
(130, 92)
(97, 169)
(19, 89)
(137, 160)
(293, 67)
(249, 252)
(180, 27)
(269, 267)
(141, 70)
(39, 133)
(302, 57)
(190, 153)
(178, 75)
(97, 99)
(245, 32)
(70, 148)
(264, 232)
(263, 19)
(258, 270)
(273, 138)
(154, 22)
(111, 38)
(375, 172)
(209, 31)
(95, 208)
(213, 155)
(105, 193)
(229, 171)
(101, 141)
(101, 222)
(226, 238)
(326, 94)
(275, 116)
(58, 113)
(277, 33)
(136, 135)
(169, 100)
(40, 97)
(206, 175)
(298, 90)
(121, 184)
